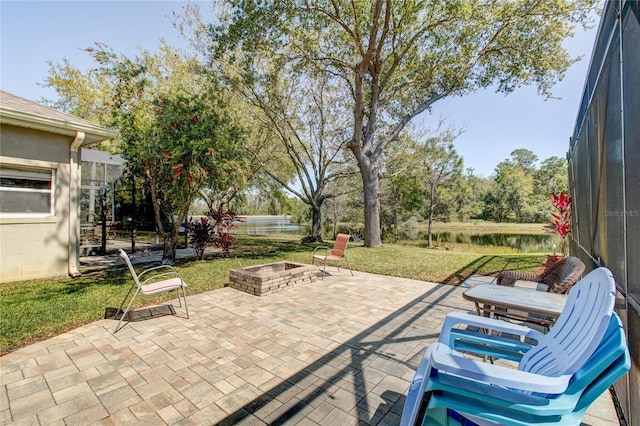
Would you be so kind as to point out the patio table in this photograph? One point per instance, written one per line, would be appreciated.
(516, 303)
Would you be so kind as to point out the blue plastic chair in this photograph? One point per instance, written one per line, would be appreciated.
(557, 378)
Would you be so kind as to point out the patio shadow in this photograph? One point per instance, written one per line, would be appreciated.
(350, 363)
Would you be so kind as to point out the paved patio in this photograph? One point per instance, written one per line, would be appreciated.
(340, 351)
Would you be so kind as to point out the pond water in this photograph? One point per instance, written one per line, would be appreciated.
(524, 243)
(269, 225)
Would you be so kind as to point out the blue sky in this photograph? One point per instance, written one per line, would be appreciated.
(33, 32)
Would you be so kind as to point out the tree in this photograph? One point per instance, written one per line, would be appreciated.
(301, 116)
(402, 191)
(468, 196)
(552, 176)
(440, 166)
(397, 58)
(79, 93)
(511, 192)
(188, 146)
(174, 129)
(526, 159)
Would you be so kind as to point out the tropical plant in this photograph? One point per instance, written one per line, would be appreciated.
(561, 220)
(223, 223)
(200, 232)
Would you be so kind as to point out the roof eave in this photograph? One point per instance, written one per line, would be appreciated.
(93, 133)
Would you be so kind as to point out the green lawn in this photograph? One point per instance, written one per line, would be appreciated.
(37, 309)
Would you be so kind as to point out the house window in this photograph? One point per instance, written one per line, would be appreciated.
(26, 191)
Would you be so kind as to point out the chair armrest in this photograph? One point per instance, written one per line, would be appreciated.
(171, 271)
(443, 359)
(158, 268)
(415, 393)
(510, 277)
(458, 318)
(321, 247)
(494, 346)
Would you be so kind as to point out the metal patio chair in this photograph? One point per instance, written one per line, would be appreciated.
(162, 279)
(336, 254)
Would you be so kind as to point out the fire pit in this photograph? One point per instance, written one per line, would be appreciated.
(272, 277)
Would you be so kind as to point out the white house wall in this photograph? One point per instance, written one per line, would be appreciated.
(36, 247)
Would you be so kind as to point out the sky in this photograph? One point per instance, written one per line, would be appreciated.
(34, 32)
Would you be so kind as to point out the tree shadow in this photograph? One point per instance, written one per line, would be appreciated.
(260, 248)
(349, 365)
(491, 265)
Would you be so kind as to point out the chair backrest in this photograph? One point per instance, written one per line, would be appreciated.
(340, 246)
(123, 254)
(563, 275)
(607, 364)
(579, 328)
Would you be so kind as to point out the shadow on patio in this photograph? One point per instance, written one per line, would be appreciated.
(348, 367)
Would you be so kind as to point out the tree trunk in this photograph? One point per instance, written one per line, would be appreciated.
(133, 213)
(394, 210)
(170, 238)
(335, 221)
(371, 184)
(169, 253)
(431, 210)
(316, 222)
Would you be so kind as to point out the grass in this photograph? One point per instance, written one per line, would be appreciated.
(37, 309)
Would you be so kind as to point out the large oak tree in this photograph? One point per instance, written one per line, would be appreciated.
(396, 58)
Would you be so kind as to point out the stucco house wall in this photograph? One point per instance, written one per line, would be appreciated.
(35, 138)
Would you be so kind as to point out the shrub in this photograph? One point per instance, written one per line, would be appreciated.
(223, 223)
(200, 234)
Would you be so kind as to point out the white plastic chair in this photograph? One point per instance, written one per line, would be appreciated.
(546, 370)
(163, 278)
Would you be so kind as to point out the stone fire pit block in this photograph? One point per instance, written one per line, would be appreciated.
(272, 277)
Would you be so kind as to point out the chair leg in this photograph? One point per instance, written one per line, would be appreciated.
(324, 268)
(348, 264)
(125, 298)
(127, 310)
(120, 307)
(184, 296)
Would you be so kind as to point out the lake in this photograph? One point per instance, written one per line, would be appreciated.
(524, 243)
(270, 225)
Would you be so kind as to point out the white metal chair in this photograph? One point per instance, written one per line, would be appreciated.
(163, 278)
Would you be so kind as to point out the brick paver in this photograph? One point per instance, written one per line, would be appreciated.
(339, 351)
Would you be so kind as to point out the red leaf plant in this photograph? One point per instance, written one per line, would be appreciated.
(561, 220)
(200, 232)
(216, 227)
(223, 223)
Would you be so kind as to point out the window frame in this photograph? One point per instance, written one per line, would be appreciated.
(51, 191)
